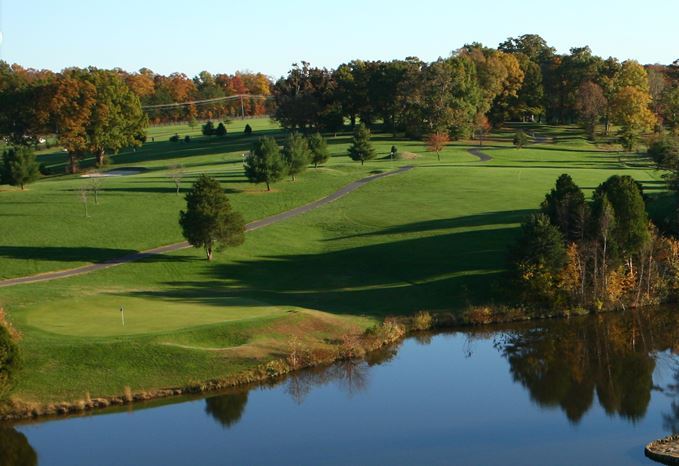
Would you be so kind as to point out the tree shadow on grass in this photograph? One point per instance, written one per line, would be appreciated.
(432, 273)
(80, 254)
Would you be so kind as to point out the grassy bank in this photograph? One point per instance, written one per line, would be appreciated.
(431, 239)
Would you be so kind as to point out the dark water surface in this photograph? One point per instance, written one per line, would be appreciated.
(582, 391)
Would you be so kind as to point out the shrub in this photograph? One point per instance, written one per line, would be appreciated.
(9, 353)
(208, 128)
(187, 139)
(220, 131)
(174, 138)
(422, 321)
(248, 129)
(520, 139)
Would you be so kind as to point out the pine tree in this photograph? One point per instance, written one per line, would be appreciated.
(209, 222)
(361, 149)
(296, 154)
(19, 167)
(220, 131)
(264, 164)
(319, 149)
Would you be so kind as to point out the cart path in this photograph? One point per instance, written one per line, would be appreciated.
(48, 276)
(478, 152)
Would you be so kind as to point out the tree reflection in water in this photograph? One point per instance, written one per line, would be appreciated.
(564, 363)
(15, 449)
(227, 409)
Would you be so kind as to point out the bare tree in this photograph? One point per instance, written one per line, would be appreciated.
(176, 174)
(83, 194)
(95, 182)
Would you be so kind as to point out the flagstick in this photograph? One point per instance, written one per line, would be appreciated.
(122, 314)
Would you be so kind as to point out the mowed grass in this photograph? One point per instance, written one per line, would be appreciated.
(434, 238)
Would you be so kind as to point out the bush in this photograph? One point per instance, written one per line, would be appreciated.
(208, 128)
(187, 139)
(248, 129)
(422, 321)
(520, 139)
(220, 131)
(174, 138)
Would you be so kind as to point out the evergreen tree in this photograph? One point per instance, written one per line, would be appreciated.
(630, 233)
(208, 128)
(540, 244)
(361, 149)
(220, 131)
(19, 167)
(248, 129)
(264, 164)
(296, 154)
(209, 222)
(319, 149)
(520, 139)
(566, 208)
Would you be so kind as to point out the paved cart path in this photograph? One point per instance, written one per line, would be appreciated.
(44, 277)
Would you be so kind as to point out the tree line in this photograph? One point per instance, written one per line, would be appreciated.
(597, 255)
(477, 87)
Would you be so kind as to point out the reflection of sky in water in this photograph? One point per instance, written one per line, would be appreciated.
(453, 400)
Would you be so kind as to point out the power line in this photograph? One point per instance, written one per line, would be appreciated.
(206, 101)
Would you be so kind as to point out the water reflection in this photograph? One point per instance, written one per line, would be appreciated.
(566, 364)
(15, 449)
(227, 409)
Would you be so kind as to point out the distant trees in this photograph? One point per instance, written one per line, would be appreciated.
(361, 149)
(208, 129)
(209, 221)
(319, 149)
(264, 163)
(19, 167)
(591, 104)
(436, 142)
(296, 154)
(220, 131)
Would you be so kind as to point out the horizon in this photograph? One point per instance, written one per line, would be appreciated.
(164, 51)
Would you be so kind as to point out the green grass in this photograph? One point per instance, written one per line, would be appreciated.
(434, 238)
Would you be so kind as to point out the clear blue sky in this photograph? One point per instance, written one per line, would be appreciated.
(267, 35)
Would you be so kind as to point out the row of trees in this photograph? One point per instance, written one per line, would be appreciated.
(267, 163)
(91, 111)
(463, 94)
(603, 254)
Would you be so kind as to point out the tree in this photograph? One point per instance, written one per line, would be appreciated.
(665, 153)
(176, 174)
(264, 163)
(630, 109)
(319, 149)
(436, 142)
(248, 129)
(220, 131)
(361, 148)
(9, 352)
(208, 129)
(19, 167)
(520, 139)
(95, 112)
(630, 233)
(296, 154)
(209, 221)
(566, 208)
(591, 106)
(481, 127)
(669, 107)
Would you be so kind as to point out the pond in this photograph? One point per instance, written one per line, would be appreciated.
(590, 390)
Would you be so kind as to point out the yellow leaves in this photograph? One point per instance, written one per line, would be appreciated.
(630, 109)
(570, 278)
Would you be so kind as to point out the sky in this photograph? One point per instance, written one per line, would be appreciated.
(268, 36)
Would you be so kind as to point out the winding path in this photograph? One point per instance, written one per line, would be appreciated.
(44, 277)
(478, 152)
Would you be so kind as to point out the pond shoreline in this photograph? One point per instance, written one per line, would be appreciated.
(391, 331)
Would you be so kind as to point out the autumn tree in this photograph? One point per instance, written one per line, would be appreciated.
(591, 106)
(361, 148)
(95, 112)
(19, 167)
(264, 163)
(296, 154)
(209, 221)
(630, 110)
(319, 149)
(436, 142)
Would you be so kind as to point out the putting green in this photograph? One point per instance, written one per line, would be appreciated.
(100, 316)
